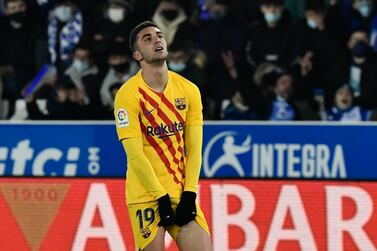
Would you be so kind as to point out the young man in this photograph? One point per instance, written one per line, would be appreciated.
(159, 121)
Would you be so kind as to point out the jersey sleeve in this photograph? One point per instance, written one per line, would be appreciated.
(142, 167)
(193, 141)
(126, 112)
(194, 114)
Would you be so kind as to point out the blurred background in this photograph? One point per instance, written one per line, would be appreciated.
(268, 182)
(252, 59)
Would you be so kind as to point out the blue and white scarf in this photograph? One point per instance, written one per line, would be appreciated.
(69, 36)
(282, 110)
(354, 113)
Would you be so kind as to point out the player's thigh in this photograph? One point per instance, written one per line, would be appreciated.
(193, 237)
(158, 242)
(144, 220)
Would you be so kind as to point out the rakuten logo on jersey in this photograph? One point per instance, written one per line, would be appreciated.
(164, 130)
(49, 161)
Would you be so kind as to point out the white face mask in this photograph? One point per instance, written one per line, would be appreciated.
(178, 67)
(80, 65)
(365, 9)
(311, 23)
(271, 17)
(63, 13)
(116, 15)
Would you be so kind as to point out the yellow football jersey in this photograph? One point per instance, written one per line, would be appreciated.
(160, 119)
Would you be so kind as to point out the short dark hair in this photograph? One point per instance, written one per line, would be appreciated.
(317, 6)
(84, 44)
(9, 1)
(272, 2)
(135, 31)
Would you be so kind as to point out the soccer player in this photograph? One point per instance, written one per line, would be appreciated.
(159, 122)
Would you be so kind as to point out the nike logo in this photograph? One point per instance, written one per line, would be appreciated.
(166, 135)
(149, 112)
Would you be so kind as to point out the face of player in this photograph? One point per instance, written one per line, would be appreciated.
(150, 46)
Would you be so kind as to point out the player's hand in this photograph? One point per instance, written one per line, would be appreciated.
(166, 211)
(186, 210)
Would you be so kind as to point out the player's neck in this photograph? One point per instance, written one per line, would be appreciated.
(155, 76)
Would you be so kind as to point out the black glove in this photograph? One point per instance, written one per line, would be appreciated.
(166, 211)
(186, 210)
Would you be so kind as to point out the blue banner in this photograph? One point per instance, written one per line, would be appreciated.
(256, 150)
(71, 150)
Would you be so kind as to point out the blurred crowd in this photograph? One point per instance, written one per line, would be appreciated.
(252, 59)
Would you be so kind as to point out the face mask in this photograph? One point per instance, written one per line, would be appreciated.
(123, 67)
(360, 49)
(116, 15)
(178, 67)
(365, 9)
(63, 13)
(170, 14)
(18, 17)
(80, 65)
(272, 17)
(311, 23)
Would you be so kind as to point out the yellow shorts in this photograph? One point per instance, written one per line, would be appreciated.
(144, 219)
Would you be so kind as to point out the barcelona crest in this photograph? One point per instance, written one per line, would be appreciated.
(180, 103)
(145, 232)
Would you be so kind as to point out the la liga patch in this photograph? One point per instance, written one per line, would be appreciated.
(122, 118)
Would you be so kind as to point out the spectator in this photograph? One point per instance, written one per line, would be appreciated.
(362, 14)
(171, 18)
(317, 49)
(358, 69)
(113, 89)
(273, 38)
(121, 68)
(221, 39)
(343, 108)
(277, 97)
(17, 45)
(112, 28)
(261, 70)
(245, 102)
(65, 28)
(238, 109)
(65, 102)
(181, 60)
(84, 73)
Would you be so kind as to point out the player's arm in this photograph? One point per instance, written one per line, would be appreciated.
(142, 166)
(129, 132)
(193, 142)
(186, 210)
(127, 112)
(144, 171)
